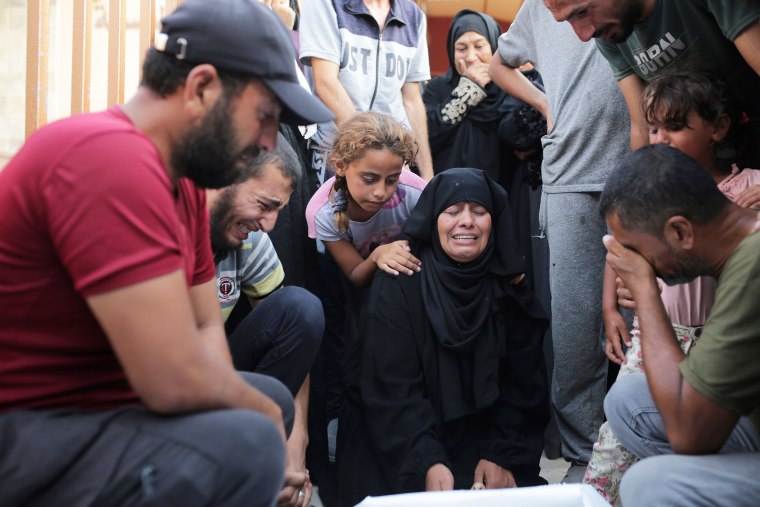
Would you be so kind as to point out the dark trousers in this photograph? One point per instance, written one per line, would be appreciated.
(131, 456)
(333, 298)
(280, 337)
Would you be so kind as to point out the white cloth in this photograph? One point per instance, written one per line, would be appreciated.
(558, 495)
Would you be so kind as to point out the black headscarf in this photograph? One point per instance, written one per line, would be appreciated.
(462, 301)
(468, 20)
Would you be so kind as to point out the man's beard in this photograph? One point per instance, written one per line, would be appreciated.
(689, 268)
(219, 219)
(207, 154)
(630, 13)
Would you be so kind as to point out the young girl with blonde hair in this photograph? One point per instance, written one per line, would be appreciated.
(359, 213)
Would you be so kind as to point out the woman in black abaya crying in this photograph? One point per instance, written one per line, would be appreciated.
(452, 383)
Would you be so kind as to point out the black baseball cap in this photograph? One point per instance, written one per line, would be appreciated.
(244, 37)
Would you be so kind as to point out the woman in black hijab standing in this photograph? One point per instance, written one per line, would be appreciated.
(463, 105)
(453, 386)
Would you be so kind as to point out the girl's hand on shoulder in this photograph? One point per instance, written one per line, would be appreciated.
(439, 478)
(750, 198)
(395, 258)
(492, 476)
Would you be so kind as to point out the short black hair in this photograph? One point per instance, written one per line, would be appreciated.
(290, 165)
(657, 182)
(163, 73)
(280, 159)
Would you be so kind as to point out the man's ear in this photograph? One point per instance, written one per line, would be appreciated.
(679, 233)
(202, 89)
(720, 127)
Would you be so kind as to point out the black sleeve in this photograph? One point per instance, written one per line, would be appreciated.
(436, 95)
(402, 423)
(520, 414)
(446, 108)
(521, 126)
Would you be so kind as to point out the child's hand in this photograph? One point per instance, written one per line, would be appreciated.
(617, 333)
(396, 257)
(625, 298)
(750, 198)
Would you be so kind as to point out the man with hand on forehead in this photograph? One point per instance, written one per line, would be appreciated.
(694, 420)
(124, 387)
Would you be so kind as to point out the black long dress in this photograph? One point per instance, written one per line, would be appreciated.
(425, 400)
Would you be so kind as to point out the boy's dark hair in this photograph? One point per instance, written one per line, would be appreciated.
(657, 182)
(163, 73)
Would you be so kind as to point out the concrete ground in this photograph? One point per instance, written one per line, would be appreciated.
(553, 470)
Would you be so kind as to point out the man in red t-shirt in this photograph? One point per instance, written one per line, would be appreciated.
(116, 384)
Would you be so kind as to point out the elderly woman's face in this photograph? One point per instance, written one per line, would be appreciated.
(463, 230)
(470, 49)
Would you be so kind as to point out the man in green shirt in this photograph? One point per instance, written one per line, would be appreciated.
(668, 219)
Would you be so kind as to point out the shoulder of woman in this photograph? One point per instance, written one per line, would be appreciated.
(436, 84)
(396, 285)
